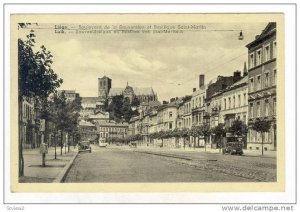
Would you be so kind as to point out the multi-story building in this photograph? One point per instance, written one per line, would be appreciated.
(187, 112)
(198, 103)
(262, 73)
(88, 131)
(134, 126)
(153, 121)
(180, 112)
(112, 129)
(90, 105)
(234, 103)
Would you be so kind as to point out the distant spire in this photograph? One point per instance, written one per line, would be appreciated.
(127, 83)
(245, 72)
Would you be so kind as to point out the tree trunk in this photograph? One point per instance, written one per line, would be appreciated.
(262, 143)
(21, 158)
(55, 140)
(61, 142)
(205, 143)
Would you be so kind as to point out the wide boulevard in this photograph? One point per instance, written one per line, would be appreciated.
(118, 164)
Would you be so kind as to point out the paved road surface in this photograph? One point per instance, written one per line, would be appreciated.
(117, 165)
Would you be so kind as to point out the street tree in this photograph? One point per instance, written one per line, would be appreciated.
(262, 126)
(184, 133)
(219, 132)
(36, 79)
(238, 128)
(206, 132)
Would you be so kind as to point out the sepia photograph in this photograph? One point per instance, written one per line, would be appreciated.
(148, 98)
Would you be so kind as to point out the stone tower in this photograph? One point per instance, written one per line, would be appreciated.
(104, 85)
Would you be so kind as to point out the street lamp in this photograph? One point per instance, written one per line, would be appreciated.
(241, 36)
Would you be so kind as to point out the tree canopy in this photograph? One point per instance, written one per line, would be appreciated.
(36, 76)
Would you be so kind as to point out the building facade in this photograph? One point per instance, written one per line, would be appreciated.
(88, 131)
(90, 105)
(262, 53)
(235, 103)
(112, 129)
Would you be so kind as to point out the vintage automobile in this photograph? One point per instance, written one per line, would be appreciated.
(102, 142)
(84, 146)
(232, 145)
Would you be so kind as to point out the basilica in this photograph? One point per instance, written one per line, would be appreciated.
(142, 94)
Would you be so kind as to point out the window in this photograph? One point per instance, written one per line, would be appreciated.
(267, 79)
(233, 102)
(258, 57)
(229, 102)
(239, 100)
(267, 107)
(170, 114)
(251, 84)
(275, 76)
(251, 60)
(245, 98)
(258, 82)
(267, 52)
(170, 126)
(258, 109)
(200, 101)
(251, 110)
(274, 49)
(224, 104)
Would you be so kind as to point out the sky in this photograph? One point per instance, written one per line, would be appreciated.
(170, 63)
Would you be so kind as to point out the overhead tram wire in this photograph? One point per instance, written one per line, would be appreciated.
(215, 67)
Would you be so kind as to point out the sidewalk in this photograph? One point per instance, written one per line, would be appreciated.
(35, 173)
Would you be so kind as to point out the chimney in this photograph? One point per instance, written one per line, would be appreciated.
(194, 89)
(201, 80)
(236, 76)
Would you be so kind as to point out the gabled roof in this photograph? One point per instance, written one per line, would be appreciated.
(269, 30)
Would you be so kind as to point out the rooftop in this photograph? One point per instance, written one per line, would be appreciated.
(137, 91)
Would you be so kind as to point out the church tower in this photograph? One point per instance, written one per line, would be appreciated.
(104, 85)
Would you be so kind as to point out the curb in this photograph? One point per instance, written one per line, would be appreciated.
(62, 175)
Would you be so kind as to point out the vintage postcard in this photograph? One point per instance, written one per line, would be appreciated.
(147, 102)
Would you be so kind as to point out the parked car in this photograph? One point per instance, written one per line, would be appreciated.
(232, 145)
(103, 144)
(84, 146)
